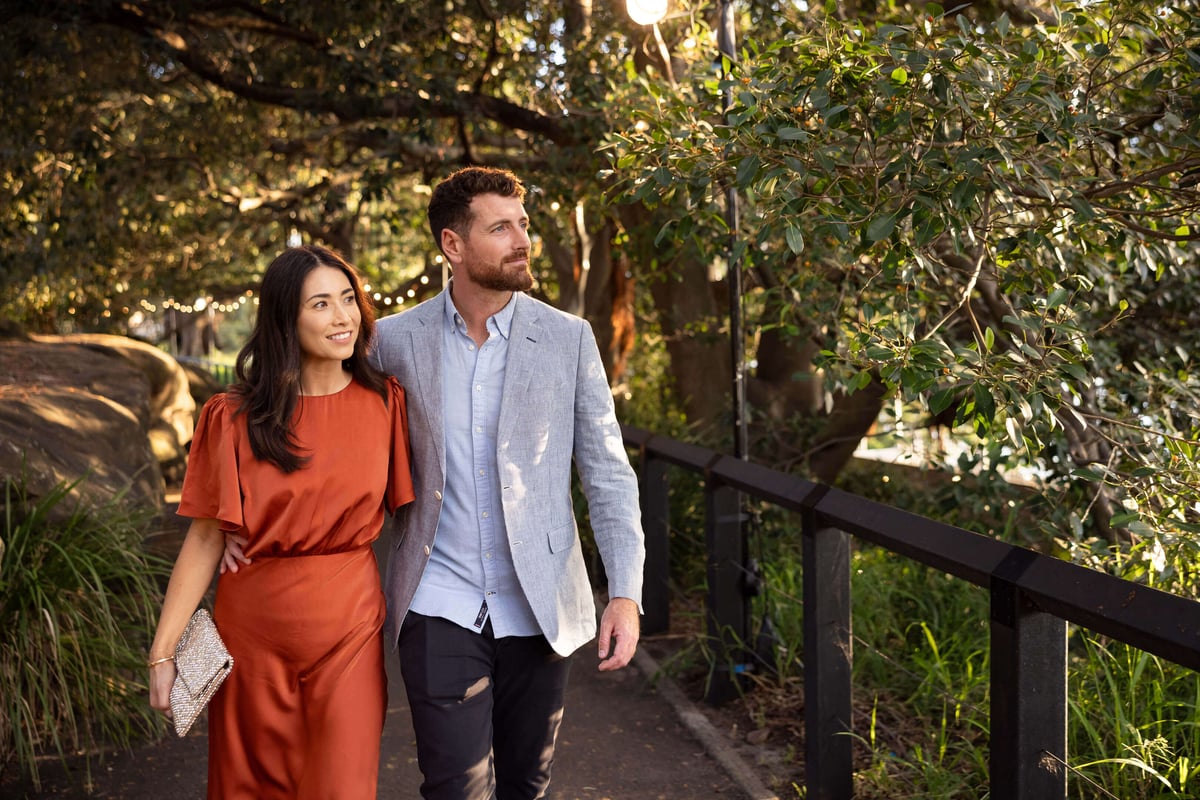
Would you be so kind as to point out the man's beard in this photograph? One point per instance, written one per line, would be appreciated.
(497, 279)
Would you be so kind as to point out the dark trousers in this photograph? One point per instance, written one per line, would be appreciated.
(486, 711)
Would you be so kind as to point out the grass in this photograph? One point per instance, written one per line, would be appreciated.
(921, 673)
(78, 596)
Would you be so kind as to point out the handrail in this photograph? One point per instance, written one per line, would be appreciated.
(1032, 597)
(223, 373)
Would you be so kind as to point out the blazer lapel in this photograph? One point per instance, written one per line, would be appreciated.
(426, 359)
(524, 343)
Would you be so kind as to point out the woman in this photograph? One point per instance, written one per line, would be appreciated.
(300, 458)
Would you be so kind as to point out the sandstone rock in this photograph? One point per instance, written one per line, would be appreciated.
(171, 407)
(68, 413)
(201, 383)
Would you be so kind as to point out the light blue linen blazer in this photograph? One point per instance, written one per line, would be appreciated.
(556, 408)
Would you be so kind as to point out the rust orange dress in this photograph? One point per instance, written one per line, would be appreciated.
(302, 712)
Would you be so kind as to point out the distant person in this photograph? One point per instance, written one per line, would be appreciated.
(301, 459)
(487, 590)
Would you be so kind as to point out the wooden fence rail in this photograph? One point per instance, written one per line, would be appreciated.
(1032, 599)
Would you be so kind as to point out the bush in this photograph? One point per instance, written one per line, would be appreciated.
(78, 597)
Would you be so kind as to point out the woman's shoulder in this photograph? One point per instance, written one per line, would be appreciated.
(364, 391)
(220, 404)
(217, 417)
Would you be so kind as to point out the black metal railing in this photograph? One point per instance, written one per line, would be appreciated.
(1032, 599)
(223, 373)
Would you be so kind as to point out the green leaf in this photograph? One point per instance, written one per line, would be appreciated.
(795, 239)
(747, 170)
(900, 75)
(791, 134)
(880, 227)
(943, 399)
(985, 405)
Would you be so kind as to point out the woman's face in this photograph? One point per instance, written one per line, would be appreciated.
(329, 317)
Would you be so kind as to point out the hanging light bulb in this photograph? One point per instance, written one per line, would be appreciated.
(646, 12)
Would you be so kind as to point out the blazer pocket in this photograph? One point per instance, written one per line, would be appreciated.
(562, 538)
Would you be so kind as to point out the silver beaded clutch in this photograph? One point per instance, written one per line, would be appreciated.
(201, 665)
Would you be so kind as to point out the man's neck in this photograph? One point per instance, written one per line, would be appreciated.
(476, 306)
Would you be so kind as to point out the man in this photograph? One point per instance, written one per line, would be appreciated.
(487, 591)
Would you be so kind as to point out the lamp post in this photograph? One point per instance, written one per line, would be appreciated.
(651, 12)
(727, 44)
(731, 575)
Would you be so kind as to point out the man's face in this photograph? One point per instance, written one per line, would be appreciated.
(495, 252)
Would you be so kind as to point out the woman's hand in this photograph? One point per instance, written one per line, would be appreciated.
(162, 677)
(233, 553)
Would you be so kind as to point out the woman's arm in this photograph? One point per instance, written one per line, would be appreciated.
(190, 579)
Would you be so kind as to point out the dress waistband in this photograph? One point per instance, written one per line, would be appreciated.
(324, 554)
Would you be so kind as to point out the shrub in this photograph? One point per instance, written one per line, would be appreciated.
(78, 596)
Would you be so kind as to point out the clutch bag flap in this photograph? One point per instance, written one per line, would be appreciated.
(201, 664)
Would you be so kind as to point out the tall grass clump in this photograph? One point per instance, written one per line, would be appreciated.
(1134, 728)
(78, 596)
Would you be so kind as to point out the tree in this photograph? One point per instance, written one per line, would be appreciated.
(172, 148)
(944, 211)
(974, 215)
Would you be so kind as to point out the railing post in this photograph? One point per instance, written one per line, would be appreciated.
(727, 629)
(1029, 691)
(828, 656)
(654, 488)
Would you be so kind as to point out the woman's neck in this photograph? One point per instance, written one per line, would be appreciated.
(320, 380)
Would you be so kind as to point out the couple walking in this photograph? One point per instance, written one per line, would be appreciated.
(462, 418)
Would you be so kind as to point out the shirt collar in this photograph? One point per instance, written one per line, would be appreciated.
(500, 322)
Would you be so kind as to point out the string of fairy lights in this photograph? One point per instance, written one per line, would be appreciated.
(228, 306)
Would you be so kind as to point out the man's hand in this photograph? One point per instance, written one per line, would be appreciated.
(620, 622)
(233, 553)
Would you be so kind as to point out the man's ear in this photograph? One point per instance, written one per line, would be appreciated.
(452, 245)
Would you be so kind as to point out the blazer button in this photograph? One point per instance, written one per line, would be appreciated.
(427, 550)
(437, 495)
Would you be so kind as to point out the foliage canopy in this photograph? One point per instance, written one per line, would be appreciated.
(990, 219)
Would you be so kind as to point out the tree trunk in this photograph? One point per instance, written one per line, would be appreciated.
(694, 326)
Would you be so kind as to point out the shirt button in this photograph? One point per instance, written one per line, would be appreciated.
(478, 387)
(488, 556)
(470, 347)
(485, 515)
(482, 472)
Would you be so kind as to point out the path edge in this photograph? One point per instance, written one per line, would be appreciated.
(699, 726)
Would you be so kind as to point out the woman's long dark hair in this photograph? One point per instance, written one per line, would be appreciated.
(268, 367)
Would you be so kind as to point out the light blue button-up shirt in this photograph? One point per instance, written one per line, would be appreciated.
(470, 575)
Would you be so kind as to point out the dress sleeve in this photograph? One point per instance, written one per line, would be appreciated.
(211, 489)
(400, 485)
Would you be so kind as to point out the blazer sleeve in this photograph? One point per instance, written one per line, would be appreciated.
(609, 482)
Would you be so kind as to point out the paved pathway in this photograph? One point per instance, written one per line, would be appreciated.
(622, 739)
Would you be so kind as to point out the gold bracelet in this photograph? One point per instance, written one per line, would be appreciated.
(158, 661)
